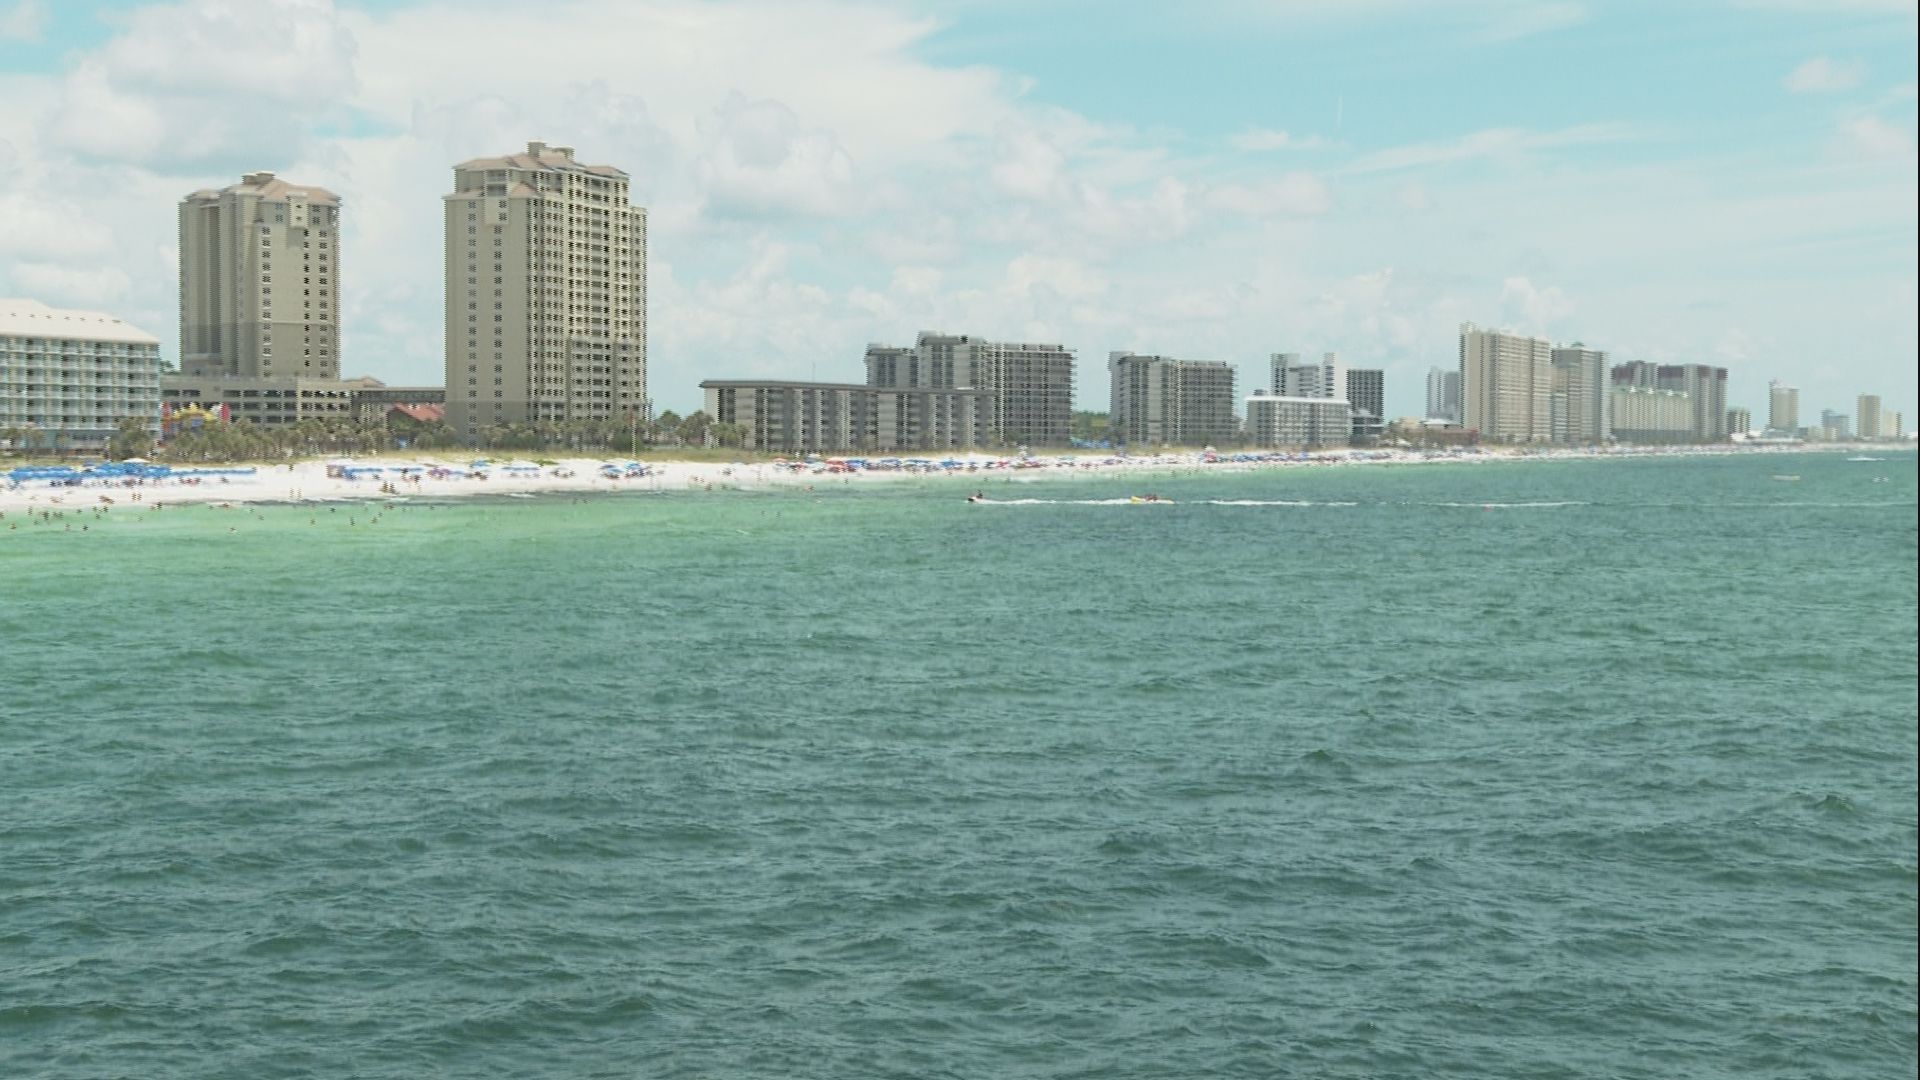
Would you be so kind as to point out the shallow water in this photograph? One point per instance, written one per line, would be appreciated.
(1517, 770)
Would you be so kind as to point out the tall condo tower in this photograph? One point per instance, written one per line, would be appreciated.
(1706, 390)
(546, 293)
(1443, 394)
(1506, 385)
(1579, 395)
(1783, 406)
(260, 281)
(1866, 421)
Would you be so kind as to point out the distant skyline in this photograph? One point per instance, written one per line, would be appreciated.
(1731, 183)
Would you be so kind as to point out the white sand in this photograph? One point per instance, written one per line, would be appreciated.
(308, 480)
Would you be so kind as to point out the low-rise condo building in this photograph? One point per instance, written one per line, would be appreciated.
(68, 378)
(1030, 385)
(1648, 415)
(1160, 401)
(817, 417)
(1304, 423)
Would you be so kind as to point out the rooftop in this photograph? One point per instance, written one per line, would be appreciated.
(541, 156)
(31, 318)
(265, 185)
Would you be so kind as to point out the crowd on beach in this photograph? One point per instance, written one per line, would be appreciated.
(50, 487)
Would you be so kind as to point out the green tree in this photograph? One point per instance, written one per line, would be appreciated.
(131, 438)
(668, 425)
(693, 430)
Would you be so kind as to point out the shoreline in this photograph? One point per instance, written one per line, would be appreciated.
(308, 481)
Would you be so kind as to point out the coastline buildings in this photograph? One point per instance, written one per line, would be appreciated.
(1739, 421)
(1867, 416)
(1160, 401)
(238, 246)
(68, 378)
(1506, 385)
(259, 305)
(1277, 420)
(546, 292)
(1325, 379)
(273, 402)
(1835, 426)
(1647, 414)
(1031, 385)
(1443, 395)
(1706, 390)
(1367, 396)
(1783, 407)
(1579, 403)
(814, 417)
(1363, 389)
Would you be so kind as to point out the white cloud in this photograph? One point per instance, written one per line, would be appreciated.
(23, 21)
(208, 82)
(1065, 277)
(1412, 196)
(1028, 166)
(1526, 20)
(1540, 310)
(1871, 137)
(1823, 75)
(1490, 143)
(761, 161)
(49, 228)
(99, 287)
(1260, 139)
(1296, 193)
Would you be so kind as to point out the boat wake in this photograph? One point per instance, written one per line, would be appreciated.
(1509, 505)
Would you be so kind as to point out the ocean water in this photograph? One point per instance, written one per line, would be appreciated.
(1524, 770)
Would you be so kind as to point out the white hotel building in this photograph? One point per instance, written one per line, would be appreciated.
(68, 378)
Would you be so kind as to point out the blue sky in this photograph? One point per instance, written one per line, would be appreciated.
(1725, 182)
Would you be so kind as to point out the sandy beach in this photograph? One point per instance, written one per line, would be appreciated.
(440, 477)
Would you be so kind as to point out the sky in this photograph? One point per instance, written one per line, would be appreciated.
(1729, 182)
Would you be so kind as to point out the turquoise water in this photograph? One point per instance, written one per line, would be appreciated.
(1531, 770)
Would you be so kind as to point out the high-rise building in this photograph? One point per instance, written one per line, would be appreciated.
(68, 378)
(1506, 385)
(1783, 407)
(1031, 384)
(1739, 421)
(1326, 379)
(546, 293)
(1276, 420)
(1367, 391)
(1579, 395)
(1367, 394)
(1159, 401)
(1867, 416)
(1706, 390)
(1892, 425)
(260, 281)
(1835, 426)
(1443, 395)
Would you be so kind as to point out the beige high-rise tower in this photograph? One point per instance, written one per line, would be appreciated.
(1506, 384)
(260, 281)
(546, 278)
